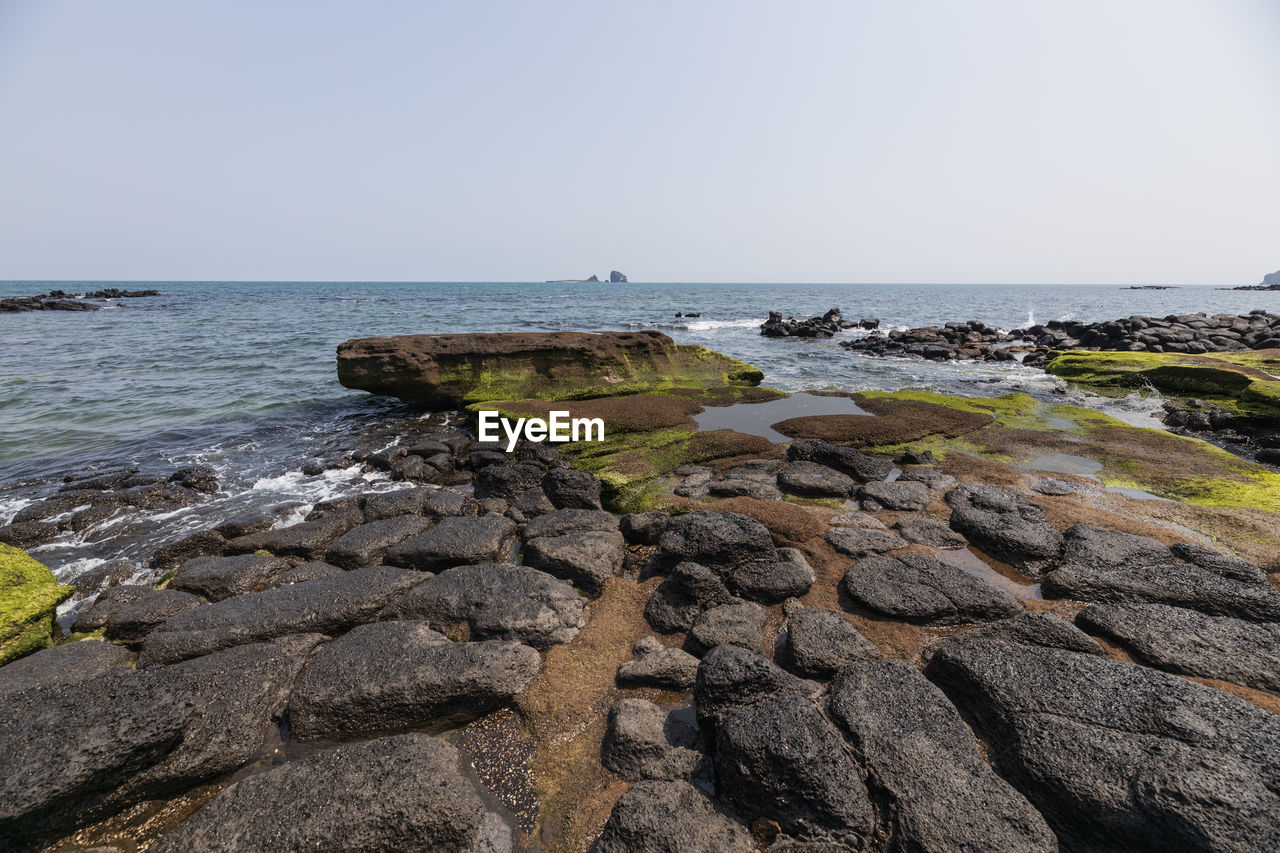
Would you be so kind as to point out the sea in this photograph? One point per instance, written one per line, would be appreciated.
(241, 376)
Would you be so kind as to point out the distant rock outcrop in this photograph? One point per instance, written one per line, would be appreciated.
(1270, 281)
(616, 277)
(814, 327)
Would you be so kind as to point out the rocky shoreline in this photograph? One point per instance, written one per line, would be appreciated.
(58, 300)
(897, 631)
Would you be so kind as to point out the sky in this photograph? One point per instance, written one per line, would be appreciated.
(1089, 141)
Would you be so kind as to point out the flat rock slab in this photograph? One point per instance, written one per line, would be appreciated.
(80, 752)
(919, 588)
(365, 545)
(810, 479)
(1038, 629)
(645, 741)
(388, 795)
(863, 541)
(712, 539)
(308, 539)
(899, 495)
(744, 487)
(129, 613)
(1006, 525)
(69, 663)
(820, 642)
(666, 817)
(394, 675)
(927, 531)
(329, 606)
(922, 755)
(848, 461)
(568, 488)
(216, 578)
(566, 521)
(1190, 642)
(782, 760)
(586, 559)
(1120, 756)
(685, 594)
(771, 581)
(1109, 567)
(497, 601)
(740, 624)
(456, 541)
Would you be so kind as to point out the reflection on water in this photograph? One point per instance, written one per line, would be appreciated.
(1065, 463)
(993, 572)
(759, 418)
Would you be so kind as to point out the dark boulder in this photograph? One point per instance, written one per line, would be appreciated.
(809, 479)
(1106, 566)
(715, 540)
(863, 541)
(1120, 756)
(58, 666)
(366, 544)
(920, 754)
(129, 613)
(927, 531)
(1192, 643)
(205, 543)
(568, 488)
(586, 559)
(643, 528)
(329, 605)
(730, 677)
(1005, 525)
(848, 461)
(28, 534)
(771, 581)
(670, 817)
(393, 675)
(308, 539)
(497, 601)
(565, 521)
(216, 578)
(739, 624)
(645, 741)
(394, 794)
(507, 481)
(819, 642)
(456, 541)
(684, 595)
(782, 760)
(900, 495)
(1038, 629)
(658, 667)
(920, 588)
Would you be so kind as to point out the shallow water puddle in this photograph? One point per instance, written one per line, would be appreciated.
(999, 575)
(759, 418)
(1066, 463)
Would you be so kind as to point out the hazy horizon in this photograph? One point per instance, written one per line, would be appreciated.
(992, 142)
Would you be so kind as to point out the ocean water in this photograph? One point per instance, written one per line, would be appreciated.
(241, 375)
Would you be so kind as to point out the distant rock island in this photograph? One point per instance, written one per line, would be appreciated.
(615, 277)
(1270, 281)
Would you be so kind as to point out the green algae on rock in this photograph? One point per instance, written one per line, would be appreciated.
(1016, 427)
(1240, 383)
(29, 594)
(457, 370)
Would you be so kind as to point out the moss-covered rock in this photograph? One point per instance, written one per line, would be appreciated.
(1240, 383)
(457, 370)
(29, 595)
(1018, 428)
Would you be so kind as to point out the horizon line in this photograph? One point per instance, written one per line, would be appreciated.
(583, 281)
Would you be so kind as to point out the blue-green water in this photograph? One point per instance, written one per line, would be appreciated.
(242, 375)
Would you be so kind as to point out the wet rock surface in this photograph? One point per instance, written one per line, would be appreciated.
(129, 613)
(216, 578)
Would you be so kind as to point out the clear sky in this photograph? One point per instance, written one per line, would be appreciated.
(689, 140)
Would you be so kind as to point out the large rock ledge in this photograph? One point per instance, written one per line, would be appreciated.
(454, 370)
